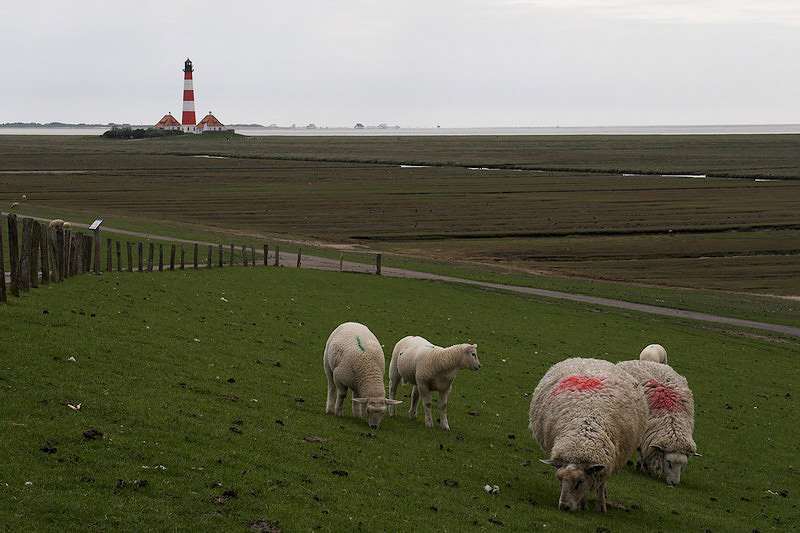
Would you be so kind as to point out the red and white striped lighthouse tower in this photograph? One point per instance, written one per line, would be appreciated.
(188, 120)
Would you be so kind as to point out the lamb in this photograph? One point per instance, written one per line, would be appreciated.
(588, 415)
(654, 352)
(354, 359)
(67, 225)
(667, 442)
(55, 223)
(428, 368)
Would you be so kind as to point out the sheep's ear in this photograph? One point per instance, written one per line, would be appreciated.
(361, 400)
(389, 401)
(555, 463)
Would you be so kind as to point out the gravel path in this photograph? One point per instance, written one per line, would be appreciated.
(323, 263)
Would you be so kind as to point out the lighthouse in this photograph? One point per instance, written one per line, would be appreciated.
(188, 121)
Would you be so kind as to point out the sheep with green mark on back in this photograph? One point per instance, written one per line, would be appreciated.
(353, 359)
(428, 368)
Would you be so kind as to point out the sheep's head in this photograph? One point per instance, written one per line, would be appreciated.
(576, 480)
(673, 463)
(471, 356)
(375, 409)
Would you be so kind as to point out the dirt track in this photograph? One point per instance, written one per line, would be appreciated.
(322, 263)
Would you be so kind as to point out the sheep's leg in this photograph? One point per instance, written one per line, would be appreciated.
(393, 383)
(601, 497)
(358, 410)
(412, 411)
(331, 402)
(427, 402)
(341, 392)
(443, 409)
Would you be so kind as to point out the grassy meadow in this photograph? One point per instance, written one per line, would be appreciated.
(592, 212)
(208, 390)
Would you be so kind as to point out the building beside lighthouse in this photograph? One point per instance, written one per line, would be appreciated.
(188, 122)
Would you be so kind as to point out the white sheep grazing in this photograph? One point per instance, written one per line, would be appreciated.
(655, 353)
(354, 359)
(55, 223)
(24, 196)
(67, 225)
(14, 204)
(588, 415)
(667, 442)
(428, 368)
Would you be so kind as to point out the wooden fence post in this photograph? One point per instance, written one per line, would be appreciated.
(13, 253)
(150, 251)
(160, 257)
(277, 256)
(3, 297)
(195, 256)
(172, 257)
(266, 253)
(219, 249)
(130, 256)
(341, 260)
(54, 253)
(61, 235)
(87, 253)
(109, 263)
(244, 254)
(209, 256)
(140, 249)
(25, 256)
(231, 254)
(45, 259)
(67, 253)
(35, 240)
(117, 245)
(299, 251)
(97, 250)
(253, 254)
(378, 264)
(183, 257)
(74, 253)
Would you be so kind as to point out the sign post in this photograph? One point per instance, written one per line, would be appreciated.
(96, 228)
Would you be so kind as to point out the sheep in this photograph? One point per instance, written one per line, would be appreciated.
(667, 442)
(428, 368)
(654, 352)
(14, 205)
(67, 225)
(55, 223)
(24, 196)
(588, 416)
(354, 359)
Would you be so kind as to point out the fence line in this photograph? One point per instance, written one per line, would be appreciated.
(45, 254)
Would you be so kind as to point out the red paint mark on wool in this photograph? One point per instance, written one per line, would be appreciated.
(661, 397)
(578, 384)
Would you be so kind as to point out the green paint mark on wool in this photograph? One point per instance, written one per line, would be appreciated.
(358, 341)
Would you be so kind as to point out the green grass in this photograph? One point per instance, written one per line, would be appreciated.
(167, 363)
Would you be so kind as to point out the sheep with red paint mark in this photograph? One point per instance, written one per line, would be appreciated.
(353, 359)
(655, 353)
(588, 416)
(428, 368)
(667, 443)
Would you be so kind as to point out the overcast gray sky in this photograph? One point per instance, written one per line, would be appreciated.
(416, 63)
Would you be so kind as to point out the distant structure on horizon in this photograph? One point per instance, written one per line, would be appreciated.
(188, 121)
